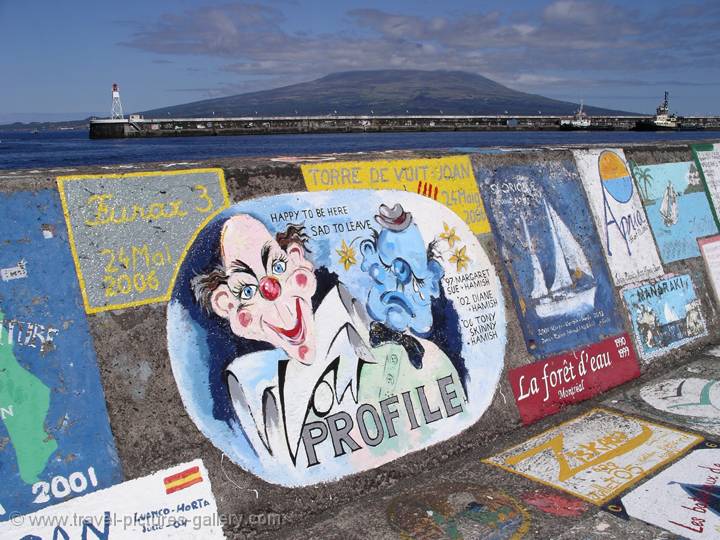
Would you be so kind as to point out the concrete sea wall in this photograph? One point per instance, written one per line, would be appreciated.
(317, 328)
(136, 126)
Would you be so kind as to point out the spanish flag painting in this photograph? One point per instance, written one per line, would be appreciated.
(183, 479)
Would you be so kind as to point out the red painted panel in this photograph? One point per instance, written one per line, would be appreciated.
(544, 387)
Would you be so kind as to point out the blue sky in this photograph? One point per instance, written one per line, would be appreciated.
(59, 58)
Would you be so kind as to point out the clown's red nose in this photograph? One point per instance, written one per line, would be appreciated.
(269, 288)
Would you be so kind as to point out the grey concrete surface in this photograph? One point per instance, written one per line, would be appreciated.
(153, 431)
(370, 517)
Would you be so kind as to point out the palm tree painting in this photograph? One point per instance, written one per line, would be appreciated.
(644, 179)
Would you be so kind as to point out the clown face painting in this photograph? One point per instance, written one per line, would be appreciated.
(263, 289)
(316, 335)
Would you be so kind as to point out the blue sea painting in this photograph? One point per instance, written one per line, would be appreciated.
(549, 245)
(677, 207)
(55, 437)
(665, 314)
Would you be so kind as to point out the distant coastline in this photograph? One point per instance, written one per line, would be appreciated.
(29, 127)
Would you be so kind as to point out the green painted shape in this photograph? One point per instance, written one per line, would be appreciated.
(707, 147)
(30, 402)
(696, 149)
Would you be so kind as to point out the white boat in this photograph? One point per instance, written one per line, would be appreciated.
(579, 121)
(566, 295)
(669, 206)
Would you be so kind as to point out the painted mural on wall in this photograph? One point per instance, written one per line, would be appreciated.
(621, 223)
(543, 388)
(710, 249)
(547, 241)
(684, 498)
(55, 438)
(449, 180)
(665, 314)
(676, 206)
(597, 455)
(129, 232)
(458, 511)
(315, 335)
(695, 400)
(174, 503)
(707, 159)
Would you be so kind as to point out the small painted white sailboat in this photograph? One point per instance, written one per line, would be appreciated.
(539, 287)
(566, 294)
(670, 315)
(669, 206)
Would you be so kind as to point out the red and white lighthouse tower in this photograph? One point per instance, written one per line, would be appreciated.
(116, 111)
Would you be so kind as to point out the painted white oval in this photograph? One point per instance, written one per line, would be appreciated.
(254, 399)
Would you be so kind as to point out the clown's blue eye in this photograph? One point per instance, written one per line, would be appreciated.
(278, 267)
(247, 292)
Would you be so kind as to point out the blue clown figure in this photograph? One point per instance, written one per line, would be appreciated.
(406, 275)
(406, 278)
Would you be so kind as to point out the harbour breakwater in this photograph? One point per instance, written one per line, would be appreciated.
(301, 327)
(137, 126)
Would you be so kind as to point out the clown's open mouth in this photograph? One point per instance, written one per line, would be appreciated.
(393, 298)
(295, 335)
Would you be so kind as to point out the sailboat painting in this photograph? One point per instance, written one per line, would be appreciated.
(669, 206)
(677, 207)
(544, 231)
(565, 295)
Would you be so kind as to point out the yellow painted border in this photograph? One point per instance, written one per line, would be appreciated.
(61, 180)
(620, 488)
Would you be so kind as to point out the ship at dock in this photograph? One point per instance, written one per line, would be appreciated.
(663, 119)
(580, 121)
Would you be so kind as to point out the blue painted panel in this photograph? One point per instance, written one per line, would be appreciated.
(677, 208)
(665, 314)
(551, 252)
(55, 438)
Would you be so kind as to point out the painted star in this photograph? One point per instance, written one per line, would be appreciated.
(449, 235)
(460, 259)
(347, 255)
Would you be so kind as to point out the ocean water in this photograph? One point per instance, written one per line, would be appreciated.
(74, 148)
(679, 241)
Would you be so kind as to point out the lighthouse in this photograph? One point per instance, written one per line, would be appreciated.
(116, 111)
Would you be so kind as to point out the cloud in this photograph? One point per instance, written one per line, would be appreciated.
(546, 46)
(227, 88)
(577, 12)
(221, 30)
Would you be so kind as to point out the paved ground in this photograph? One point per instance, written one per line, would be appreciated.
(472, 499)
